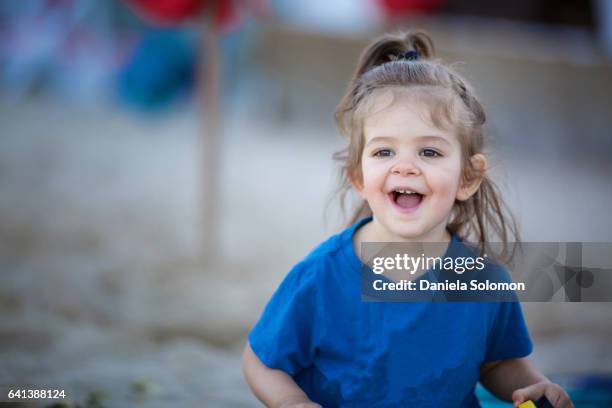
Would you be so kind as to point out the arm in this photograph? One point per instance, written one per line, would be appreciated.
(518, 380)
(274, 388)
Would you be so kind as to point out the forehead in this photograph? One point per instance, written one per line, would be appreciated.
(400, 112)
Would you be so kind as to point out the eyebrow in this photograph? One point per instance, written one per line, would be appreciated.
(432, 138)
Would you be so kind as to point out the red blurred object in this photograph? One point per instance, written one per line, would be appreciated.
(399, 7)
(226, 15)
(169, 11)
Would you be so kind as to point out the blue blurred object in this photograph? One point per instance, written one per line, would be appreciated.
(68, 49)
(586, 391)
(161, 69)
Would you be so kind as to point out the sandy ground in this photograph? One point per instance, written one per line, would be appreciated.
(103, 291)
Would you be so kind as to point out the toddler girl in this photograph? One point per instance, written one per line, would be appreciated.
(415, 156)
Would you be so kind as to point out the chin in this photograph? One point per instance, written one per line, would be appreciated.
(408, 232)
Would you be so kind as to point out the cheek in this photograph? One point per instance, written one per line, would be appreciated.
(373, 176)
(445, 181)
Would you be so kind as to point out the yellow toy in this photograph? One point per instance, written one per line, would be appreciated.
(541, 403)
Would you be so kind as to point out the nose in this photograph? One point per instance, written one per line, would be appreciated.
(405, 168)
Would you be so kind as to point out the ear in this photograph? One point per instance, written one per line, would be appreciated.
(472, 177)
(357, 181)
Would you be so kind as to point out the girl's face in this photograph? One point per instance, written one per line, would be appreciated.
(411, 172)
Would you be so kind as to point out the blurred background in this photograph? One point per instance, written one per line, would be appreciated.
(164, 163)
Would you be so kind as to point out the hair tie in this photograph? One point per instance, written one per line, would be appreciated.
(411, 55)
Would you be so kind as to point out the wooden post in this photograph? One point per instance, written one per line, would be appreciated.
(208, 74)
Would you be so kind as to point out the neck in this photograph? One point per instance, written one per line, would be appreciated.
(374, 232)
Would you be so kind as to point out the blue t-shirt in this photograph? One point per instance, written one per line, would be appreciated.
(345, 352)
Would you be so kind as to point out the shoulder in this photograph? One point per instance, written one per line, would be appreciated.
(332, 254)
(320, 258)
(490, 264)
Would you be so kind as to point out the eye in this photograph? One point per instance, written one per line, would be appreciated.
(430, 153)
(383, 153)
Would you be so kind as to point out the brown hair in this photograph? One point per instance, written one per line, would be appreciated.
(381, 67)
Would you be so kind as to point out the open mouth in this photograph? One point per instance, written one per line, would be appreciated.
(406, 200)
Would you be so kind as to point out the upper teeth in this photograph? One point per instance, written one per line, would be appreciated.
(405, 192)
